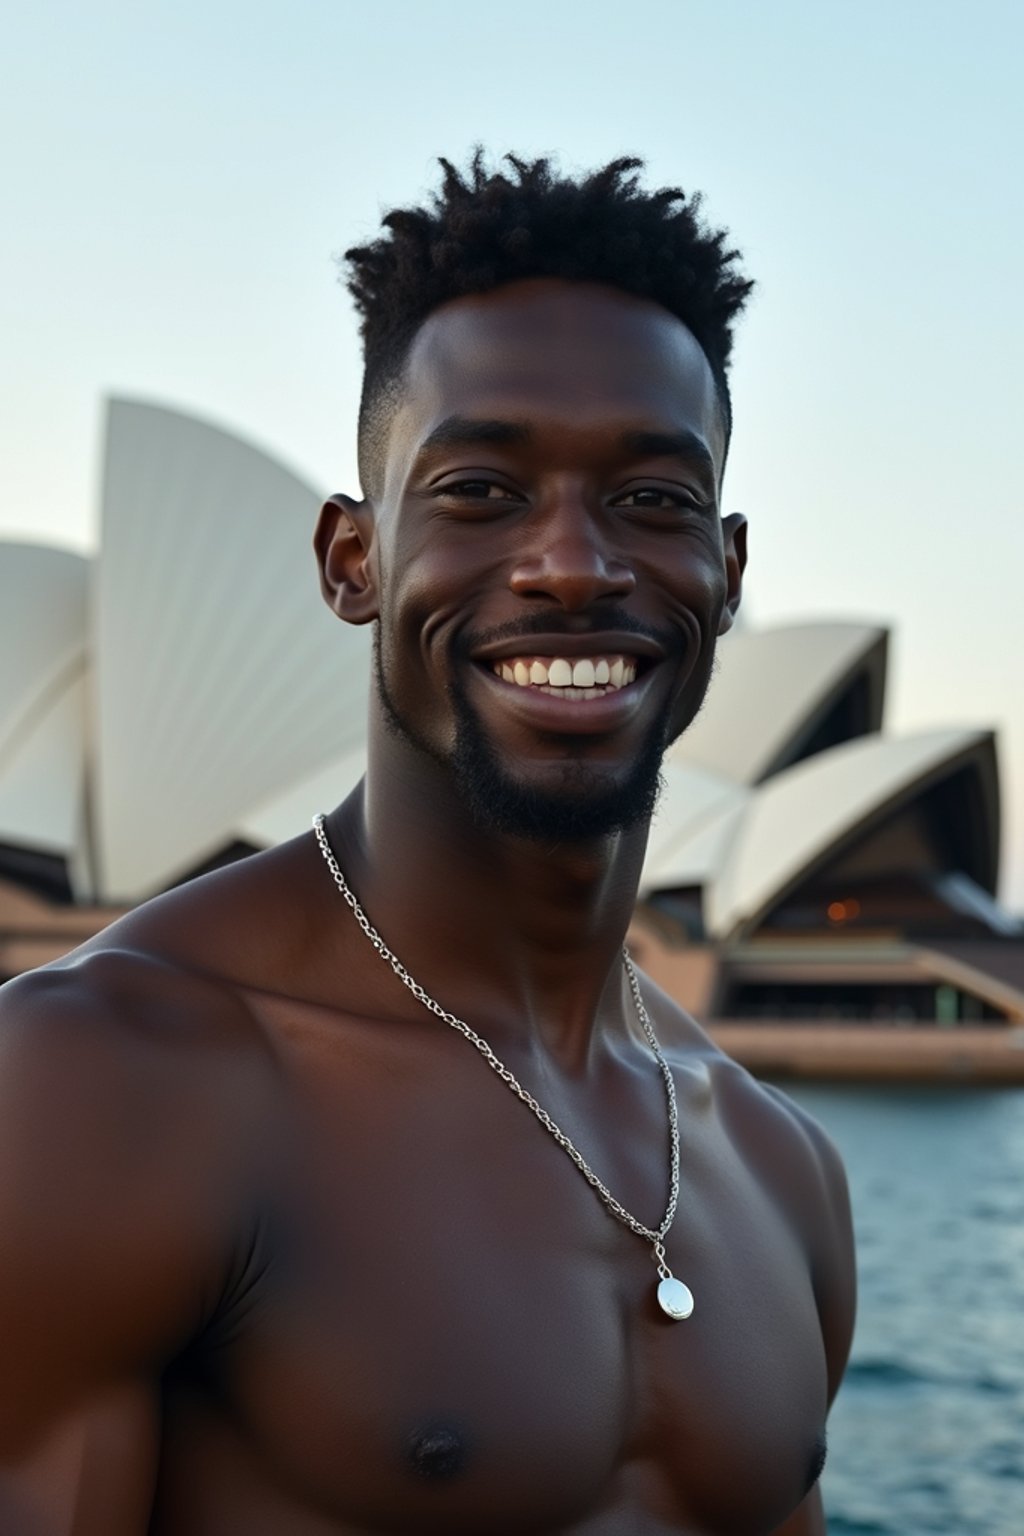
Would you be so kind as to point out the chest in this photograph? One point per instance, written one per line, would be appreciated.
(444, 1322)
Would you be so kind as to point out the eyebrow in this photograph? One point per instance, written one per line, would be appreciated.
(458, 430)
(462, 431)
(683, 444)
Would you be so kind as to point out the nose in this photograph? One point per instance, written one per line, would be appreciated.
(566, 558)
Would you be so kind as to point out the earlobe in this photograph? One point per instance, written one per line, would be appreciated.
(734, 537)
(346, 546)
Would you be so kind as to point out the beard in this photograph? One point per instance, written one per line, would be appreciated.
(582, 806)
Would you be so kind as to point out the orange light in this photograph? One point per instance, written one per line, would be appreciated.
(853, 907)
(837, 911)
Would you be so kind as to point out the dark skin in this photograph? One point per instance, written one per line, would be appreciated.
(281, 1253)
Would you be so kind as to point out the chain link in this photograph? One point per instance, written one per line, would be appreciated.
(511, 1081)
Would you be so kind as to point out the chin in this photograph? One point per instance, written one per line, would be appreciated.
(578, 801)
(584, 804)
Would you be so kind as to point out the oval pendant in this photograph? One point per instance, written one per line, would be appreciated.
(674, 1298)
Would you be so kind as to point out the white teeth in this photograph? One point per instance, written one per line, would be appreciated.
(583, 679)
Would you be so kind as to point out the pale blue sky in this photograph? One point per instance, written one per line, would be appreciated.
(181, 176)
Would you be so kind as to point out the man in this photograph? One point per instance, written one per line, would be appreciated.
(283, 1255)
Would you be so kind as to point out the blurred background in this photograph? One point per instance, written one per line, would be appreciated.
(178, 182)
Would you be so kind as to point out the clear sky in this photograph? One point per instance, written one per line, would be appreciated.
(178, 179)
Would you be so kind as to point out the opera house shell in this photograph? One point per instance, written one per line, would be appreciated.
(185, 697)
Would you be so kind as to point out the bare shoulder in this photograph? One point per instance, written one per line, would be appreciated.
(245, 925)
(118, 1020)
(789, 1153)
(143, 1044)
(129, 1103)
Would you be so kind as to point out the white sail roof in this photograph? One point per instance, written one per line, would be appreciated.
(286, 815)
(220, 677)
(797, 816)
(43, 594)
(769, 686)
(41, 776)
(693, 809)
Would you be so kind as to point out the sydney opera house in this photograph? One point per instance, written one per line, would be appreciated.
(184, 698)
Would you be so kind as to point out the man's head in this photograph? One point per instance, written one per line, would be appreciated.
(542, 439)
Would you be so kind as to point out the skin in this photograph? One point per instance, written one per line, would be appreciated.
(281, 1253)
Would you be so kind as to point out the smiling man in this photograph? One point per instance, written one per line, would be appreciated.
(365, 1186)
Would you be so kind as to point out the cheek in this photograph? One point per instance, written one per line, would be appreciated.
(426, 600)
(700, 586)
(437, 581)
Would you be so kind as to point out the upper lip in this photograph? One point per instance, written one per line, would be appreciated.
(607, 643)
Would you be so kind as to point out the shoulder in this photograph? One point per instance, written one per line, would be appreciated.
(122, 1159)
(132, 1096)
(252, 926)
(119, 1018)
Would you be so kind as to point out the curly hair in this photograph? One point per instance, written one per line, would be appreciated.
(486, 228)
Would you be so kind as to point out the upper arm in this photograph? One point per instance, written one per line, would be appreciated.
(111, 1238)
(816, 1188)
(90, 1226)
(834, 1260)
(825, 1218)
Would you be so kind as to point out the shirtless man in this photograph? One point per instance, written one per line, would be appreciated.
(282, 1255)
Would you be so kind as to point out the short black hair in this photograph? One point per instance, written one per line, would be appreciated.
(485, 228)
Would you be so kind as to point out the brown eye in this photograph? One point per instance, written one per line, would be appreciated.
(656, 499)
(476, 490)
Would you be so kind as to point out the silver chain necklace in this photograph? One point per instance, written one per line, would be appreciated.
(674, 1298)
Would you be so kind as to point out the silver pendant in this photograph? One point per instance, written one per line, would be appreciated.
(674, 1298)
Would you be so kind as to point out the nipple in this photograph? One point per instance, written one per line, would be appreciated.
(437, 1452)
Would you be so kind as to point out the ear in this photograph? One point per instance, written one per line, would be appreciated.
(346, 552)
(734, 537)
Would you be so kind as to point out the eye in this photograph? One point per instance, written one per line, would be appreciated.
(477, 490)
(656, 498)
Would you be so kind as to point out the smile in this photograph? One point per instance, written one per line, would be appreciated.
(583, 677)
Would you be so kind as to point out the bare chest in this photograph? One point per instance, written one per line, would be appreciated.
(442, 1328)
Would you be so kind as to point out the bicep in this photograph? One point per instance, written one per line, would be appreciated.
(105, 1243)
(821, 1206)
(836, 1270)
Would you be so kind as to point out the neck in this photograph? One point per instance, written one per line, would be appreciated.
(520, 938)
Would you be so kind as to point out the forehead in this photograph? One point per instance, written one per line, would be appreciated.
(572, 356)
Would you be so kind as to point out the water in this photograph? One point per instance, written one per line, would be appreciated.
(927, 1435)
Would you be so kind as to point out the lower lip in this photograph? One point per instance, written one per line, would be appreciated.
(566, 717)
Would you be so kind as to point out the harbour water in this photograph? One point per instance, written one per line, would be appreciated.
(927, 1436)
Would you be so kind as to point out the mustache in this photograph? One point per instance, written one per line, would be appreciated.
(671, 641)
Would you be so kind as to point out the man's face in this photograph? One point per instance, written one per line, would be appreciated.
(550, 502)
